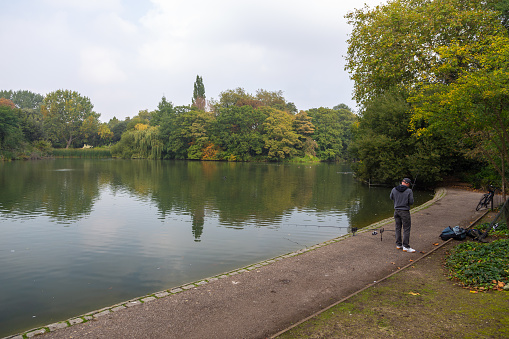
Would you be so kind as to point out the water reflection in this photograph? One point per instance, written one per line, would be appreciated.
(66, 190)
(238, 193)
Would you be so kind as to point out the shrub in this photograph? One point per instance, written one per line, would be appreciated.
(500, 231)
(480, 265)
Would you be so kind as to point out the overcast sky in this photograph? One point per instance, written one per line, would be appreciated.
(126, 54)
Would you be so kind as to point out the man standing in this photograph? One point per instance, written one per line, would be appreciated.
(403, 197)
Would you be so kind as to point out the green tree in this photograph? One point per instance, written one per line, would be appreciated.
(396, 44)
(23, 99)
(164, 109)
(64, 113)
(30, 117)
(235, 97)
(199, 94)
(189, 134)
(387, 150)
(10, 132)
(332, 132)
(475, 107)
(305, 128)
(117, 127)
(423, 49)
(238, 132)
(185, 133)
(143, 117)
(281, 140)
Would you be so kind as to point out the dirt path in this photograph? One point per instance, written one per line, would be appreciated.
(261, 302)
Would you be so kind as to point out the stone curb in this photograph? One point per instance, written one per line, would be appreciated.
(439, 194)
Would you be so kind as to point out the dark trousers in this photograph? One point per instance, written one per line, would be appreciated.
(404, 221)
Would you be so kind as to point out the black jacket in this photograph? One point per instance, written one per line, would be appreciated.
(403, 197)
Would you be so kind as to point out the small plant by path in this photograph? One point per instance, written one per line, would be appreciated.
(480, 265)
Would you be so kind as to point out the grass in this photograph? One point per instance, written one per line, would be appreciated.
(95, 153)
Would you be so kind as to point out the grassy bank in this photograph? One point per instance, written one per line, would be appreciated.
(94, 153)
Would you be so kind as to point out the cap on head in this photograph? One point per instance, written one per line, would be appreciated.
(407, 181)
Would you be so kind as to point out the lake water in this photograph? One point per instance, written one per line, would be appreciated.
(78, 235)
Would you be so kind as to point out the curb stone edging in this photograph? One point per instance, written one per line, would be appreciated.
(439, 194)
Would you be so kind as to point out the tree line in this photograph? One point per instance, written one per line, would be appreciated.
(239, 126)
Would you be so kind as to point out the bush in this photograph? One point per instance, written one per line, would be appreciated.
(500, 231)
(480, 265)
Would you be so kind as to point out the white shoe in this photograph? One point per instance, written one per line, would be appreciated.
(408, 249)
(399, 247)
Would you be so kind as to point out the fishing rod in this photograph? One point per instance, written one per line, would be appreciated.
(315, 225)
(415, 179)
(354, 229)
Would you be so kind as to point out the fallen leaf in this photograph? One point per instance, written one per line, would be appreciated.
(501, 284)
(414, 293)
(410, 260)
(473, 292)
(393, 263)
(436, 244)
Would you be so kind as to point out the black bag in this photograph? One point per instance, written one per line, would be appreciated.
(455, 232)
(474, 233)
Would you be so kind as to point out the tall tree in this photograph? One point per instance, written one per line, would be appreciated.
(23, 99)
(164, 109)
(396, 44)
(238, 132)
(424, 49)
(281, 140)
(476, 105)
(332, 132)
(64, 113)
(387, 149)
(30, 114)
(199, 93)
(117, 127)
(235, 97)
(305, 128)
(10, 132)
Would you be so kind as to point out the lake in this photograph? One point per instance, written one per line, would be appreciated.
(78, 235)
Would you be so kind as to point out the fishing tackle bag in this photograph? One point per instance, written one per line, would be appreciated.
(455, 232)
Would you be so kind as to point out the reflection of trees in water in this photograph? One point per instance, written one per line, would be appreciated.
(236, 193)
(198, 222)
(63, 193)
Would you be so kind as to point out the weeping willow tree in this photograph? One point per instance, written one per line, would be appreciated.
(142, 142)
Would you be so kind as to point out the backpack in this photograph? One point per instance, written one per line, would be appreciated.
(474, 233)
(455, 232)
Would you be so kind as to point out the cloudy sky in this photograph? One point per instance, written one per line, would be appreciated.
(126, 54)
